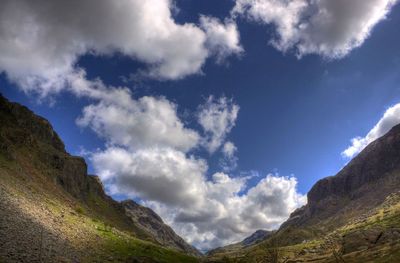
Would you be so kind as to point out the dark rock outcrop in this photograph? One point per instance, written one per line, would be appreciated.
(34, 125)
(377, 161)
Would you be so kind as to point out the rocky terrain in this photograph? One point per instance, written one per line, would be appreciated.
(149, 221)
(51, 210)
(353, 216)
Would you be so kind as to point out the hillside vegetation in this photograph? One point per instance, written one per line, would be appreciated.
(52, 211)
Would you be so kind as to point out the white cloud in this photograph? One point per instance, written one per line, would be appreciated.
(217, 118)
(208, 213)
(389, 119)
(229, 160)
(229, 149)
(145, 122)
(222, 39)
(158, 174)
(42, 40)
(328, 28)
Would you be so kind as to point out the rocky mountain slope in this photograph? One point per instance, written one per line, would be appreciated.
(51, 210)
(149, 221)
(353, 216)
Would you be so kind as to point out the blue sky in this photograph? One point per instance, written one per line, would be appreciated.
(296, 117)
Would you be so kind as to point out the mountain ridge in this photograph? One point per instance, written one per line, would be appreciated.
(359, 192)
(35, 166)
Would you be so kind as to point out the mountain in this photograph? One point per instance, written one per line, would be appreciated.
(256, 237)
(350, 217)
(51, 210)
(149, 221)
(251, 240)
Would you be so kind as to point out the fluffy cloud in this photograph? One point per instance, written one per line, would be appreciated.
(328, 28)
(222, 39)
(158, 174)
(42, 40)
(217, 117)
(146, 122)
(208, 213)
(390, 118)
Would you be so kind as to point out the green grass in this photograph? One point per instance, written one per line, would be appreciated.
(96, 221)
(125, 247)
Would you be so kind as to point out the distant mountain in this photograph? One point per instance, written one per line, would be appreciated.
(353, 216)
(51, 210)
(256, 237)
(251, 240)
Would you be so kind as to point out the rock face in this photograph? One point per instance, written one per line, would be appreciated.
(374, 164)
(360, 186)
(38, 127)
(149, 221)
(30, 142)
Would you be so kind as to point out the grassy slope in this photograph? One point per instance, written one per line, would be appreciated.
(32, 192)
(352, 236)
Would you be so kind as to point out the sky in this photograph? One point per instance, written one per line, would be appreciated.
(219, 115)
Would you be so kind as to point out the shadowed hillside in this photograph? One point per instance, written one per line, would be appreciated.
(51, 210)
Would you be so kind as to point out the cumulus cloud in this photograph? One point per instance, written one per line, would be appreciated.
(389, 119)
(145, 122)
(328, 28)
(42, 40)
(158, 174)
(208, 213)
(217, 118)
(222, 39)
